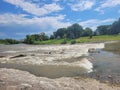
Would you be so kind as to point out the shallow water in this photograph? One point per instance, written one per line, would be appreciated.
(107, 63)
(51, 71)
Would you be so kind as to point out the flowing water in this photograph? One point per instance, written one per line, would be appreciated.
(106, 64)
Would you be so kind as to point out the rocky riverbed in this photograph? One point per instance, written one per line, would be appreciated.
(44, 54)
(61, 62)
(11, 79)
(67, 56)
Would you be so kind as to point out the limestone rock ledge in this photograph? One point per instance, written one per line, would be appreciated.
(11, 79)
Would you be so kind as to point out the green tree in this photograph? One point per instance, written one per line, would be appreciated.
(109, 29)
(103, 29)
(88, 32)
(60, 33)
(43, 36)
(52, 37)
(11, 41)
(74, 31)
(115, 27)
(29, 39)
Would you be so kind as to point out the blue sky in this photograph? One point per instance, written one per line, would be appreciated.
(21, 17)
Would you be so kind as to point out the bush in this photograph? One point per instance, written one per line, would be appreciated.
(90, 36)
(73, 42)
(11, 41)
(64, 42)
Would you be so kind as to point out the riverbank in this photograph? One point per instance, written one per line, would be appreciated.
(11, 79)
(94, 39)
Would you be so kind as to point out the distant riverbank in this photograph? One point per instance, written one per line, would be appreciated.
(94, 39)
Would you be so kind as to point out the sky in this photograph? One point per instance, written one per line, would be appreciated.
(19, 18)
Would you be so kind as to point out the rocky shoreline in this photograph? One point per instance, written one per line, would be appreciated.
(11, 79)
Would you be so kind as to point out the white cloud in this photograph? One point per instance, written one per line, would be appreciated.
(82, 5)
(93, 23)
(11, 18)
(35, 9)
(107, 4)
(44, 23)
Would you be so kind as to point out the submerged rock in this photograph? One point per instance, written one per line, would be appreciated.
(93, 50)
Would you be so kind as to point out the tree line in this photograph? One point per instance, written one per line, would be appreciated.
(9, 41)
(71, 32)
(109, 29)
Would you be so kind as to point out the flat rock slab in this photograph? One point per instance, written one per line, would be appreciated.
(11, 79)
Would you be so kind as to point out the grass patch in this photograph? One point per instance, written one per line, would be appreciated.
(54, 41)
(101, 38)
(98, 38)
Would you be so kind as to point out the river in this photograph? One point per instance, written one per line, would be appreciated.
(106, 63)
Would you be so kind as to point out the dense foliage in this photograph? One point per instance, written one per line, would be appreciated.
(35, 37)
(9, 41)
(109, 29)
(72, 32)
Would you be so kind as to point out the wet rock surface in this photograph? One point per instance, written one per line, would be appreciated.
(18, 56)
(28, 54)
(48, 59)
(93, 50)
(2, 56)
(11, 79)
